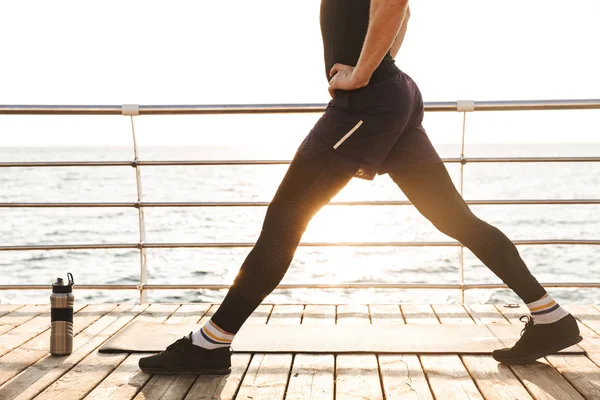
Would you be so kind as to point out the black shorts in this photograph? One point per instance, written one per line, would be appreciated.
(373, 130)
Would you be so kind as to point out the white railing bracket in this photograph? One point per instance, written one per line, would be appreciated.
(465, 106)
(130, 109)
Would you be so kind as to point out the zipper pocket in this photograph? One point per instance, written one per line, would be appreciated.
(347, 135)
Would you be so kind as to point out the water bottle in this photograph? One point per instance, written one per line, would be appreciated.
(61, 303)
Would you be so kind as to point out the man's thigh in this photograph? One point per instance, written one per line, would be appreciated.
(412, 150)
(308, 185)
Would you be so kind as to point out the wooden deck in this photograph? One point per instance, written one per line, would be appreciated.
(27, 370)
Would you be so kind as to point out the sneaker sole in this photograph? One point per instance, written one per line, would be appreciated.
(185, 371)
(548, 350)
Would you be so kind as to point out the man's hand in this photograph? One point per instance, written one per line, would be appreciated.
(344, 78)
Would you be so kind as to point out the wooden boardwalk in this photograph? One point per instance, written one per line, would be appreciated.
(27, 371)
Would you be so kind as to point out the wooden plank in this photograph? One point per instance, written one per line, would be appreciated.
(312, 375)
(452, 314)
(225, 387)
(402, 377)
(91, 370)
(541, 380)
(174, 386)
(419, 314)
(544, 382)
(260, 315)
(286, 314)
(267, 375)
(28, 353)
(494, 380)
(11, 318)
(580, 372)
(353, 314)
(8, 322)
(24, 325)
(319, 314)
(188, 314)
(447, 375)
(44, 372)
(357, 376)
(123, 383)
(386, 314)
(448, 378)
(512, 314)
(8, 308)
(209, 387)
(127, 379)
(485, 314)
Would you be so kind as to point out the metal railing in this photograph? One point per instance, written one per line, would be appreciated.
(132, 110)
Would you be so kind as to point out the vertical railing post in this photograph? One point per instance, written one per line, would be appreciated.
(463, 106)
(131, 110)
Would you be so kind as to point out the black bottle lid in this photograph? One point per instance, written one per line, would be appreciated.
(58, 286)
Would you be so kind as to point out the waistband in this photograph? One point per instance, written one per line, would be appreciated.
(385, 71)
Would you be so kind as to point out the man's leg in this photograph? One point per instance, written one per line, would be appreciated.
(432, 192)
(307, 186)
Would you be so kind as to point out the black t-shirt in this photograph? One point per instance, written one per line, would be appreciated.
(344, 26)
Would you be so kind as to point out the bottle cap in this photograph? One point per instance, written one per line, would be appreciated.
(58, 286)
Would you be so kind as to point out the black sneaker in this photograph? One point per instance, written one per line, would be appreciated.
(540, 340)
(184, 357)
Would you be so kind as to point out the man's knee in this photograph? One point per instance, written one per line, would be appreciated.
(457, 226)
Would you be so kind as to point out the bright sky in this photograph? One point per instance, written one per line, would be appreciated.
(270, 51)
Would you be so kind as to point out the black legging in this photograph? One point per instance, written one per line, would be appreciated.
(309, 185)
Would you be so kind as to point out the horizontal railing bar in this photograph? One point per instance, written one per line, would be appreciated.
(34, 164)
(530, 159)
(67, 205)
(265, 203)
(446, 160)
(286, 286)
(71, 247)
(535, 105)
(450, 106)
(166, 163)
(217, 245)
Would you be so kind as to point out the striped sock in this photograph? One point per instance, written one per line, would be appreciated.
(546, 310)
(210, 337)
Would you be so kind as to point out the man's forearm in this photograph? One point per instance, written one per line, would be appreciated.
(401, 34)
(384, 23)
